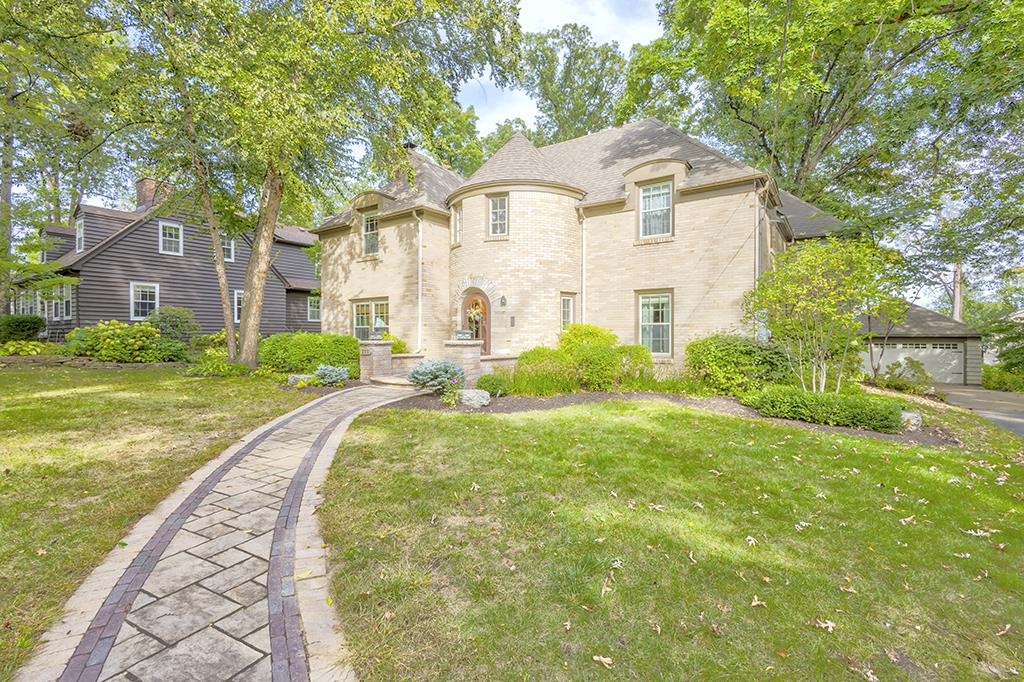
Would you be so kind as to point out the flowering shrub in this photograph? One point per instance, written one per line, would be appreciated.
(450, 394)
(437, 375)
(114, 341)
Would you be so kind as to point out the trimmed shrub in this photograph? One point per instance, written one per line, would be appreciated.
(636, 367)
(545, 371)
(998, 378)
(22, 348)
(331, 375)
(908, 376)
(496, 383)
(114, 341)
(174, 323)
(303, 352)
(20, 327)
(398, 346)
(576, 335)
(437, 375)
(732, 364)
(598, 364)
(214, 363)
(835, 409)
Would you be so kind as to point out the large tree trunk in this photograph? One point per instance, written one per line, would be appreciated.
(259, 263)
(958, 292)
(6, 215)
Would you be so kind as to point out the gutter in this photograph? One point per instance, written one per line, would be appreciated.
(419, 281)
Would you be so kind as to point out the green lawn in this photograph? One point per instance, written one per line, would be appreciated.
(674, 544)
(85, 453)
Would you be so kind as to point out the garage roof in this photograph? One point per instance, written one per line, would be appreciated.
(922, 322)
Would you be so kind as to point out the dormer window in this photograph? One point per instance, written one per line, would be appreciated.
(498, 216)
(80, 235)
(371, 243)
(656, 210)
(172, 238)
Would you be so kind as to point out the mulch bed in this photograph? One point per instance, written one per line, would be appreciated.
(928, 435)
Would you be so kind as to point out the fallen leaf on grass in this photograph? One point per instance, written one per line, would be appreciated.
(1005, 630)
(765, 579)
(824, 624)
(567, 625)
(751, 540)
(689, 555)
(606, 661)
(908, 521)
(848, 588)
(962, 555)
(654, 626)
(757, 602)
(656, 507)
(40, 552)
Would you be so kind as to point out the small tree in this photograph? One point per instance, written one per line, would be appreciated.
(814, 303)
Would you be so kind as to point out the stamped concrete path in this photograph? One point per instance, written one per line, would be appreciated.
(226, 579)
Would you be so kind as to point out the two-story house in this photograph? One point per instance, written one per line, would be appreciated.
(640, 229)
(129, 263)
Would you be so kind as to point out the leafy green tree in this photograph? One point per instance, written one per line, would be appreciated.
(814, 301)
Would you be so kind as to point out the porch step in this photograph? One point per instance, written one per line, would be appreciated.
(390, 381)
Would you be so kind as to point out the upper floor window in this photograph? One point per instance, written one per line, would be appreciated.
(368, 316)
(228, 246)
(656, 322)
(370, 235)
(172, 238)
(80, 235)
(239, 297)
(145, 299)
(313, 308)
(497, 223)
(568, 311)
(457, 225)
(656, 210)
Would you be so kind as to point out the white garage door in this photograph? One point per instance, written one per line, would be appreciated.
(944, 360)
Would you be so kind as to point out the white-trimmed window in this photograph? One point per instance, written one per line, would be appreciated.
(371, 242)
(656, 322)
(28, 303)
(80, 235)
(457, 225)
(656, 210)
(312, 308)
(238, 298)
(67, 301)
(228, 246)
(172, 238)
(568, 307)
(370, 315)
(145, 299)
(497, 216)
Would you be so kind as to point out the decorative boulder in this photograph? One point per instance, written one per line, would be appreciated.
(911, 421)
(474, 398)
(296, 378)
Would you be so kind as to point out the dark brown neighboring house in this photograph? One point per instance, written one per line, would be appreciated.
(129, 263)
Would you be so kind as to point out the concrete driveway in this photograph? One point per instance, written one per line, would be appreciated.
(1003, 408)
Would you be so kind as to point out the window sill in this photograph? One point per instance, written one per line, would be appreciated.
(172, 253)
(455, 246)
(662, 359)
(662, 239)
(496, 238)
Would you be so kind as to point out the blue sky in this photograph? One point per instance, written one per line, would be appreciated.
(621, 21)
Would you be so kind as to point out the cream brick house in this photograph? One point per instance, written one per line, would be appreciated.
(640, 229)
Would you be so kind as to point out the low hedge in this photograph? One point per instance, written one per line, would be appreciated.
(115, 341)
(496, 383)
(733, 364)
(20, 327)
(854, 410)
(544, 371)
(303, 352)
(996, 378)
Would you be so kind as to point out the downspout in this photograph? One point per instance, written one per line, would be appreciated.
(419, 281)
(583, 266)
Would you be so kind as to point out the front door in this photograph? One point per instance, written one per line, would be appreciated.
(476, 317)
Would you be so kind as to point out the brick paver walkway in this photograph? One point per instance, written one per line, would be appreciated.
(226, 580)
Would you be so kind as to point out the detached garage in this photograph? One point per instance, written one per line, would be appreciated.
(950, 350)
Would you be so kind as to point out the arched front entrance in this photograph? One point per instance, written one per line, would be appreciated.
(476, 317)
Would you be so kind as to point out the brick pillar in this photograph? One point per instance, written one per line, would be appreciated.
(467, 355)
(374, 359)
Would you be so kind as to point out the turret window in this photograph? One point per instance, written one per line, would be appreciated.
(498, 216)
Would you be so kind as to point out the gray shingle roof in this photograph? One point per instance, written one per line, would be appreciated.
(597, 162)
(519, 160)
(430, 188)
(807, 220)
(922, 322)
(292, 234)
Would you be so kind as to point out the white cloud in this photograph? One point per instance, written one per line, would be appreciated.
(622, 21)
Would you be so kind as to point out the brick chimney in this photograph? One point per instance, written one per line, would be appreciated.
(150, 190)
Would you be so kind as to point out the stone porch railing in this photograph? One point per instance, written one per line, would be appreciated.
(376, 360)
